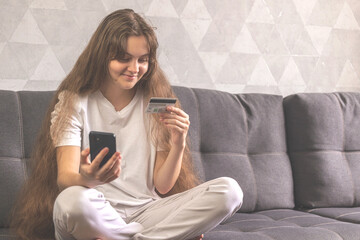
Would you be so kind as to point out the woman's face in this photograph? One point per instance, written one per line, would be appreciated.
(126, 72)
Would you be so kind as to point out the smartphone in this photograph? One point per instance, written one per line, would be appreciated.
(158, 105)
(100, 140)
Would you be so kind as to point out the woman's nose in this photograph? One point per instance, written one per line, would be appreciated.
(133, 66)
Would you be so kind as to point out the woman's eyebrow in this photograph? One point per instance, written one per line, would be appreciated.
(145, 55)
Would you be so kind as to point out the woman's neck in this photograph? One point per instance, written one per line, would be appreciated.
(119, 98)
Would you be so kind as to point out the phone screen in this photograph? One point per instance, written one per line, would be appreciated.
(100, 140)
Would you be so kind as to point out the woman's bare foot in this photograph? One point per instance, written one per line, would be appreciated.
(199, 237)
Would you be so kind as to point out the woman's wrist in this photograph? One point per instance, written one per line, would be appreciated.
(86, 182)
(71, 179)
(178, 147)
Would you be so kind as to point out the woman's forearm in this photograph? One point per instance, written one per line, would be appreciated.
(169, 172)
(69, 179)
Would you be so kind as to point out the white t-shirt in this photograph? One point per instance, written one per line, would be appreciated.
(134, 188)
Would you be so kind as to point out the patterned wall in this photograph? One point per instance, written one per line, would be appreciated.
(271, 46)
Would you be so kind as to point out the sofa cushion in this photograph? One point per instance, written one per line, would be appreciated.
(323, 136)
(283, 224)
(12, 169)
(12, 177)
(342, 214)
(10, 125)
(21, 114)
(243, 137)
(33, 116)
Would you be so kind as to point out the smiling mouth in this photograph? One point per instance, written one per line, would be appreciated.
(130, 76)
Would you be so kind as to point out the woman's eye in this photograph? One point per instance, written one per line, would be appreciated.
(142, 60)
(124, 59)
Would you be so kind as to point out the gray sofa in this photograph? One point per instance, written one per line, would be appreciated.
(297, 158)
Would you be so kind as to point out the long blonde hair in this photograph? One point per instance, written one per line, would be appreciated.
(32, 215)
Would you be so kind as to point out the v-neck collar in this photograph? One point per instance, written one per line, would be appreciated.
(105, 102)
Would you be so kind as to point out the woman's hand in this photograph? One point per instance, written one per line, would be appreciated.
(93, 175)
(178, 122)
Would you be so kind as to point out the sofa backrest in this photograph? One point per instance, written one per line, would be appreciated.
(21, 114)
(323, 138)
(243, 137)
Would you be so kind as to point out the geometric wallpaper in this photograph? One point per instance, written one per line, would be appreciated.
(240, 46)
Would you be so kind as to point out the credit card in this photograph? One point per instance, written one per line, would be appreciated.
(158, 105)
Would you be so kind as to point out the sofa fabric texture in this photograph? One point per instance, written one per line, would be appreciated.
(297, 158)
(324, 137)
(229, 138)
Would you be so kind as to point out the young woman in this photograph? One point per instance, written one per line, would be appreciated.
(148, 189)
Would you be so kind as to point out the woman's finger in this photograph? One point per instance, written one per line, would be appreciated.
(96, 162)
(113, 172)
(84, 157)
(175, 116)
(177, 128)
(113, 177)
(177, 123)
(107, 167)
(178, 111)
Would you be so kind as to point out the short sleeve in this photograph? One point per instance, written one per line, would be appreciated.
(70, 135)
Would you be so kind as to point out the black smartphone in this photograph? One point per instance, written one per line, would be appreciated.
(100, 140)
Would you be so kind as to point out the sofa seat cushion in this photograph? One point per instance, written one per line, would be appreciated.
(283, 224)
(342, 214)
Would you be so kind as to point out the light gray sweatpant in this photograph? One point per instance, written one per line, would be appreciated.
(83, 213)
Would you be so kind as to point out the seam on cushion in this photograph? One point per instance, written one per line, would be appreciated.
(263, 234)
(245, 121)
(235, 231)
(267, 153)
(273, 210)
(343, 152)
(21, 130)
(325, 229)
(10, 158)
(198, 112)
(251, 220)
(322, 224)
(298, 226)
(21, 125)
(241, 154)
(24, 166)
(267, 228)
(324, 151)
(352, 152)
(237, 97)
(215, 231)
(199, 129)
(346, 214)
(302, 216)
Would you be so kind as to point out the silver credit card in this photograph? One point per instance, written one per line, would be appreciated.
(158, 105)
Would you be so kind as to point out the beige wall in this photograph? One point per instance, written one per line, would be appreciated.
(272, 46)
